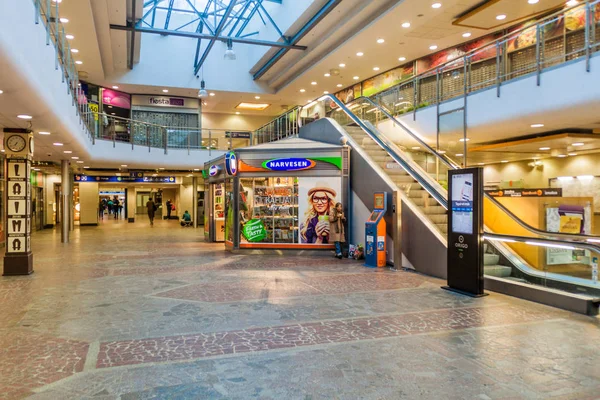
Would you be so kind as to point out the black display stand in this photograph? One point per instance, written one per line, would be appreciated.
(465, 232)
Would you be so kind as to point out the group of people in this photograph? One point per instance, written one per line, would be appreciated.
(111, 206)
(152, 207)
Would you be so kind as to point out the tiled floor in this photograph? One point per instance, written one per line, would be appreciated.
(126, 311)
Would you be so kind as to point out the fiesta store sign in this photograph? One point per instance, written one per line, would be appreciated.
(289, 164)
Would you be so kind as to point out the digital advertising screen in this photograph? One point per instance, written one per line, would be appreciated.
(462, 203)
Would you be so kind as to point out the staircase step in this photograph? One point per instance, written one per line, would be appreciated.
(434, 210)
(438, 218)
(423, 202)
(500, 271)
(443, 228)
(491, 259)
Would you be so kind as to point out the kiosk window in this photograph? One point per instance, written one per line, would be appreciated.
(379, 201)
(374, 216)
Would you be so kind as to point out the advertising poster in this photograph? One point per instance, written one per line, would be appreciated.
(94, 109)
(116, 99)
(444, 56)
(317, 196)
(386, 80)
(348, 94)
(462, 203)
(564, 219)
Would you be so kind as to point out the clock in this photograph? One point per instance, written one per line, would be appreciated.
(16, 143)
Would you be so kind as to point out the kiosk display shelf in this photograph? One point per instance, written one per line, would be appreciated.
(219, 211)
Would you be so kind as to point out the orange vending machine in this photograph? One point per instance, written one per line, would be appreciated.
(375, 233)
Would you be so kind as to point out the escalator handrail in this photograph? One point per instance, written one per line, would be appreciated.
(523, 239)
(393, 151)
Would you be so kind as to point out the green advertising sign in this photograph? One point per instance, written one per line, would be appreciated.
(254, 231)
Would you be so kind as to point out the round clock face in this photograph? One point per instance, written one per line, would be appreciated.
(31, 145)
(16, 143)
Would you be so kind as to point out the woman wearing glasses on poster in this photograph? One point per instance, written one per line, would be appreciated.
(315, 227)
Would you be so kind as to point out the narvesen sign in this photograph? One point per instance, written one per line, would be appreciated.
(289, 164)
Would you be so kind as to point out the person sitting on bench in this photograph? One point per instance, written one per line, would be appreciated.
(186, 219)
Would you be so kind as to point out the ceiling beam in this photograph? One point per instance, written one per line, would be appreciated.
(132, 44)
(218, 30)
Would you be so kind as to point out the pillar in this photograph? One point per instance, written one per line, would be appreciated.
(18, 259)
(65, 195)
(88, 203)
(131, 204)
(195, 201)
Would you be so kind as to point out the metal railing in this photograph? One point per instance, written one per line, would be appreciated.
(285, 125)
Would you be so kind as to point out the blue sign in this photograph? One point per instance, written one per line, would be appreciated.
(231, 163)
(213, 170)
(125, 179)
(289, 164)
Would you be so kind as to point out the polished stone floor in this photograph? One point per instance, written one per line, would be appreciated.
(129, 311)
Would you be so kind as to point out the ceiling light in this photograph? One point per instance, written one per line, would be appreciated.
(123, 165)
(433, 47)
(86, 167)
(339, 85)
(24, 116)
(533, 1)
(500, 17)
(459, 154)
(36, 169)
(327, 75)
(161, 168)
(326, 92)
(113, 114)
(237, 113)
(110, 106)
(257, 97)
(80, 162)
(464, 140)
(342, 65)
(252, 106)
(572, 3)
(375, 68)
(466, 34)
(212, 94)
(202, 93)
(578, 144)
(67, 151)
(537, 125)
(64, 20)
(504, 161)
(229, 53)
(480, 163)
(313, 83)
(561, 155)
(436, 5)
(415, 148)
(1, 91)
(586, 178)
(302, 90)
(441, 151)
(57, 1)
(355, 78)
(44, 133)
(380, 40)
(74, 51)
(75, 158)
(572, 154)
(57, 144)
(70, 37)
(360, 54)
(544, 148)
(402, 59)
(78, 62)
(115, 87)
(165, 90)
(406, 25)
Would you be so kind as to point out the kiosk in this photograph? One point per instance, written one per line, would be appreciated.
(375, 233)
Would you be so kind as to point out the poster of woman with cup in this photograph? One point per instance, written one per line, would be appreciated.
(321, 198)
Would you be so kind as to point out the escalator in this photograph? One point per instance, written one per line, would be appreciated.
(412, 167)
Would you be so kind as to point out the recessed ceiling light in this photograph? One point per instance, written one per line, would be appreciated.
(436, 5)
(355, 78)
(86, 167)
(252, 106)
(36, 169)
(70, 37)
(360, 54)
(161, 168)
(504, 161)
(402, 59)
(75, 158)
(533, 1)
(57, 144)
(466, 34)
(578, 144)
(327, 75)
(459, 154)
(64, 20)
(80, 162)
(115, 87)
(74, 51)
(406, 25)
(110, 106)
(544, 148)
(464, 140)
(302, 90)
(67, 151)
(113, 114)
(380, 40)
(78, 62)
(500, 17)
(415, 148)
(537, 125)
(165, 90)
(212, 94)
(572, 3)
(433, 47)
(561, 155)
(480, 163)
(1, 91)
(313, 83)
(57, 1)
(44, 133)
(123, 165)
(572, 154)
(442, 151)
(326, 92)
(342, 65)
(257, 97)
(339, 85)
(24, 116)
(375, 68)
(237, 113)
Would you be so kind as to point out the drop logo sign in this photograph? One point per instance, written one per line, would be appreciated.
(231, 164)
(289, 164)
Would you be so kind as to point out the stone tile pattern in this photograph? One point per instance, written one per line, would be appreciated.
(28, 361)
(186, 347)
(281, 288)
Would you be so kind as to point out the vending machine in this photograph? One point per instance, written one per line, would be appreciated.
(375, 233)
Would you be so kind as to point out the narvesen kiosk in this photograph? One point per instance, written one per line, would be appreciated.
(215, 181)
(375, 233)
(278, 195)
(465, 232)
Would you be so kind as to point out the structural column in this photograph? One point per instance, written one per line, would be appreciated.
(195, 201)
(65, 190)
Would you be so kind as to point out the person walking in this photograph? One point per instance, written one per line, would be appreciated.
(151, 210)
(336, 228)
(116, 207)
(101, 209)
(110, 206)
(169, 206)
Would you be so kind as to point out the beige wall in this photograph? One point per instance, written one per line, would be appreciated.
(233, 122)
(88, 203)
(539, 176)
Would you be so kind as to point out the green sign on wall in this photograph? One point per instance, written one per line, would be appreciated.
(254, 231)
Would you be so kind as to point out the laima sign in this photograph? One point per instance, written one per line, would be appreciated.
(289, 164)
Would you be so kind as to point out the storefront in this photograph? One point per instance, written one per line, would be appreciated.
(277, 195)
(214, 202)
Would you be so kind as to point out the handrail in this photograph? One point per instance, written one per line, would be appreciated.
(542, 241)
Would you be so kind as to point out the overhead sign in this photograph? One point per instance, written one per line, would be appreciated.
(289, 164)
(164, 101)
(543, 192)
(237, 135)
(125, 179)
(136, 174)
(231, 164)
